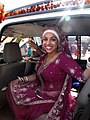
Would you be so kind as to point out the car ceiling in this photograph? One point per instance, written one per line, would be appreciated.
(75, 26)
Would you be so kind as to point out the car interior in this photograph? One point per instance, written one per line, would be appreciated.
(12, 63)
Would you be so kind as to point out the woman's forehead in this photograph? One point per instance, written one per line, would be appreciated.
(49, 34)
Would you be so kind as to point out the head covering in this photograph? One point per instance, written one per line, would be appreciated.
(52, 31)
(59, 35)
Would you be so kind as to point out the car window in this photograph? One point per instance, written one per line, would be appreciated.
(84, 47)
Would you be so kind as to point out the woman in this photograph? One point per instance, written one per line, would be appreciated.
(34, 95)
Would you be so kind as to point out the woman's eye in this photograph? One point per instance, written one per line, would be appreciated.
(44, 39)
(53, 39)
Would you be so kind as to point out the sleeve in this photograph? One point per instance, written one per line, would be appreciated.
(40, 51)
(71, 67)
(39, 62)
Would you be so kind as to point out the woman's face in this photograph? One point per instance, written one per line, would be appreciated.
(50, 43)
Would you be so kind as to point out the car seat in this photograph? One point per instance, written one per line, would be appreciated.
(13, 66)
(82, 107)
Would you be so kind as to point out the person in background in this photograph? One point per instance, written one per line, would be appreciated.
(48, 90)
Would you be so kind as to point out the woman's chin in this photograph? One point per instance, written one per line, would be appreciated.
(49, 51)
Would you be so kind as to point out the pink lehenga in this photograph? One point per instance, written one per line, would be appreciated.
(49, 93)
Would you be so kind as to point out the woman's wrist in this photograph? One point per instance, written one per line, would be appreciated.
(32, 77)
(27, 78)
(88, 63)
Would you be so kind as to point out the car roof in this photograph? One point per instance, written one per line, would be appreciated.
(31, 23)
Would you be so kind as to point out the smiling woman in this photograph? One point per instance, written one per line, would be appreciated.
(48, 85)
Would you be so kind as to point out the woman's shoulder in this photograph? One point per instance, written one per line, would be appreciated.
(42, 57)
(64, 55)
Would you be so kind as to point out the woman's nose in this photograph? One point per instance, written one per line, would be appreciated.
(48, 41)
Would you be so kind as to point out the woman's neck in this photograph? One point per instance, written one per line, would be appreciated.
(51, 55)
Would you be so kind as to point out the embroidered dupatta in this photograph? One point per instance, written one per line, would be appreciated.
(54, 113)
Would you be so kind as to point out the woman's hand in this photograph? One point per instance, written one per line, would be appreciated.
(19, 79)
(14, 81)
(29, 78)
(86, 73)
(32, 43)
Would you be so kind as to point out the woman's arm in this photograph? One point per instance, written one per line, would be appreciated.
(86, 73)
(24, 79)
(72, 68)
(87, 70)
(27, 78)
(37, 48)
(40, 51)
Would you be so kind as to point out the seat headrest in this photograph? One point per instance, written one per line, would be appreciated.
(12, 52)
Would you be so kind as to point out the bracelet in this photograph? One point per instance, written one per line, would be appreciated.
(26, 79)
(20, 79)
(23, 79)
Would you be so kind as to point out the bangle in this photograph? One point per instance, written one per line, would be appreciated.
(23, 79)
(26, 79)
(20, 79)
